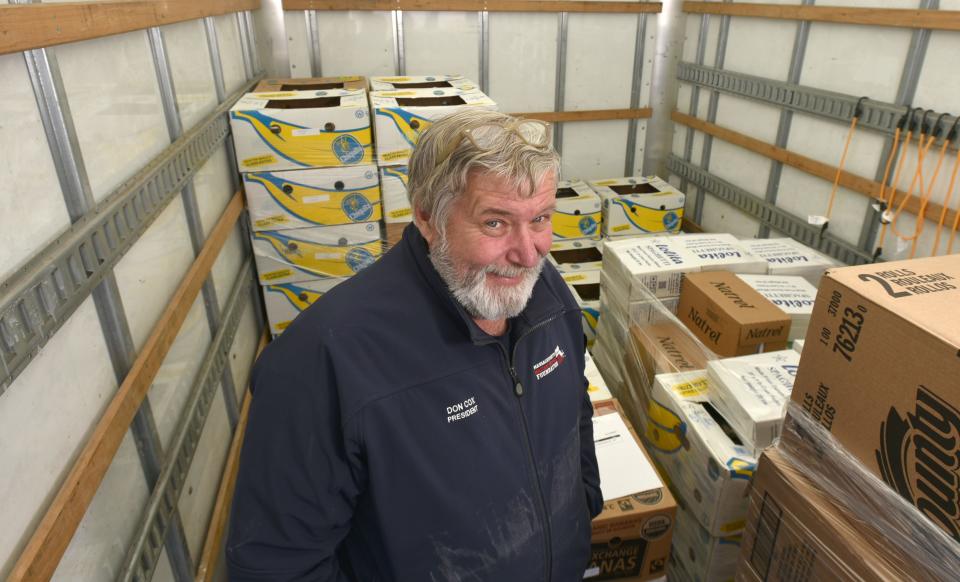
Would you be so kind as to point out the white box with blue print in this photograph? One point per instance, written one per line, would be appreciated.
(295, 130)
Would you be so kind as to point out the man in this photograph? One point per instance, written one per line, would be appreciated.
(427, 420)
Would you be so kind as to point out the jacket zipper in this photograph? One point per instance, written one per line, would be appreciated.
(518, 392)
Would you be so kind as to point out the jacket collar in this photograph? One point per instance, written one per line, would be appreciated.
(543, 305)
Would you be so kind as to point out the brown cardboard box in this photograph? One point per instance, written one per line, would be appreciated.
(664, 347)
(795, 533)
(311, 84)
(632, 535)
(729, 316)
(881, 371)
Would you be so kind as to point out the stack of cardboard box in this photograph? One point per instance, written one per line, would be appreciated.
(789, 257)
(863, 484)
(403, 108)
(641, 280)
(637, 206)
(305, 149)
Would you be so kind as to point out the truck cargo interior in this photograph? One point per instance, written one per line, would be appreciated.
(756, 215)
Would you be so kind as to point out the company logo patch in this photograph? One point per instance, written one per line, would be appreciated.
(356, 207)
(919, 457)
(549, 364)
(347, 149)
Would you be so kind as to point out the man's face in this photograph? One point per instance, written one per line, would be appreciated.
(495, 245)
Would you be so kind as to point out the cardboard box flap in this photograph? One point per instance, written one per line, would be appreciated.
(413, 98)
(301, 100)
(925, 292)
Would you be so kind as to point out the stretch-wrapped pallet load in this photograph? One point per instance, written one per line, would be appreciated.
(794, 295)
(881, 374)
(597, 387)
(707, 464)
(696, 556)
(635, 206)
(577, 215)
(789, 257)
(751, 392)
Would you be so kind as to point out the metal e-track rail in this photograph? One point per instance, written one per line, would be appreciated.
(769, 214)
(37, 299)
(875, 115)
(144, 552)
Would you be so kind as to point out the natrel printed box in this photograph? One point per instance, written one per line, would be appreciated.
(573, 256)
(292, 130)
(881, 372)
(350, 83)
(401, 116)
(751, 392)
(284, 302)
(396, 201)
(422, 82)
(320, 252)
(314, 197)
(631, 536)
(636, 205)
(585, 288)
(577, 215)
(729, 316)
(707, 465)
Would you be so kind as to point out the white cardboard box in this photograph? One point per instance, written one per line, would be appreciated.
(789, 257)
(401, 116)
(292, 130)
(319, 252)
(578, 214)
(639, 205)
(751, 392)
(597, 387)
(708, 468)
(313, 197)
(396, 202)
(284, 302)
(701, 556)
(422, 82)
(573, 256)
(794, 295)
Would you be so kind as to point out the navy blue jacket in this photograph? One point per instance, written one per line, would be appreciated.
(390, 438)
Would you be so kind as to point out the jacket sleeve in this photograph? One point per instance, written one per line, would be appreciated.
(588, 456)
(297, 485)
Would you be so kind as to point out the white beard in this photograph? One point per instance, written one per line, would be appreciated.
(481, 300)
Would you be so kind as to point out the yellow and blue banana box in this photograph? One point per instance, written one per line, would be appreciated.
(701, 455)
(351, 83)
(574, 256)
(585, 288)
(422, 82)
(314, 197)
(578, 214)
(634, 206)
(401, 116)
(319, 252)
(396, 203)
(285, 301)
(293, 130)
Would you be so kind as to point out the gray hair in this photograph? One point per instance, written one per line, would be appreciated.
(433, 186)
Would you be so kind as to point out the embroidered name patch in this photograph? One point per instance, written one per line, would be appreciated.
(549, 364)
(462, 410)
